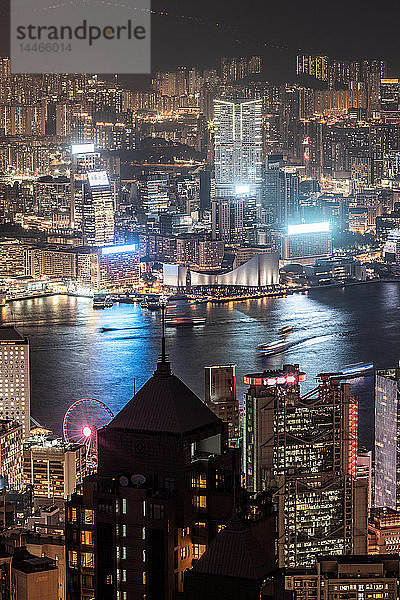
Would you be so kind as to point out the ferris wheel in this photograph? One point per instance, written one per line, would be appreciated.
(82, 421)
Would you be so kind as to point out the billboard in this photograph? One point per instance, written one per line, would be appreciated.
(82, 148)
(107, 250)
(98, 178)
(308, 228)
(242, 189)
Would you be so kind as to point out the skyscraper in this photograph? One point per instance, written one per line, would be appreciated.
(227, 220)
(98, 209)
(303, 451)
(237, 147)
(281, 190)
(165, 486)
(387, 438)
(15, 402)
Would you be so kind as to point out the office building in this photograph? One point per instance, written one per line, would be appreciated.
(343, 578)
(384, 531)
(387, 442)
(154, 195)
(15, 402)
(52, 467)
(281, 191)
(237, 147)
(364, 471)
(98, 202)
(220, 397)
(303, 450)
(165, 486)
(120, 265)
(391, 249)
(305, 243)
(227, 220)
(11, 455)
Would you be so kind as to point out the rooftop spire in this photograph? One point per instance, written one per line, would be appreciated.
(163, 365)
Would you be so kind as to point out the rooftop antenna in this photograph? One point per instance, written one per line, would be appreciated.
(163, 354)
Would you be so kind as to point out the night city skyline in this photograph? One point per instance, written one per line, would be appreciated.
(199, 301)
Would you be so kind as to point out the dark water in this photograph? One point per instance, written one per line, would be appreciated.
(72, 358)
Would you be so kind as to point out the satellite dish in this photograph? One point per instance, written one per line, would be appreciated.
(138, 479)
(123, 480)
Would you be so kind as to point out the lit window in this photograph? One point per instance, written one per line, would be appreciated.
(87, 537)
(88, 517)
(87, 559)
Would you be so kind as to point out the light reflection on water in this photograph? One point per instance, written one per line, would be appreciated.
(73, 358)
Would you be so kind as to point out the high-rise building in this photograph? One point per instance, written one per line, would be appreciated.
(237, 147)
(98, 204)
(11, 454)
(343, 578)
(53, 467)
(390, 95)
(227, 220)
(314, 66)
(303, 451)
(384, 531)
(15, 402)
(387, 439)
(220, 397)
(165, 486)
(281, 190)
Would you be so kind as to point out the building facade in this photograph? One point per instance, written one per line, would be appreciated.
(303, 451)
(387, 442)
(15, 401)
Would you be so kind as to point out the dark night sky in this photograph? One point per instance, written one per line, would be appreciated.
(350, 29)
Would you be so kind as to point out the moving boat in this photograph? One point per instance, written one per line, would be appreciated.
(179, 313)
(358, 369)
(153, 303)
(273, 348)
(286, 330)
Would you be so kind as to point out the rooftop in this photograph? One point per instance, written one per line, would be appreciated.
(234, 552)
(9, 333)
(164, 404)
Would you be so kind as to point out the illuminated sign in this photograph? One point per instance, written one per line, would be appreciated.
(279, 380)
(82, 148)
(308, 228)
(242, 189)
(118, 249)
(98, 178)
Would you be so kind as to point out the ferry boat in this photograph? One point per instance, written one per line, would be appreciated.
(99, 301)
(153, 303)
(179, 314)
(286, 330)
(273, 348)
(358, 369)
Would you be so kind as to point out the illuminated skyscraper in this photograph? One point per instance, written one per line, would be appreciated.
(227, 220)
(15, 403)
(303, 451)
(390, 95)
(98, 209)
(237, 147)
(387, 439)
